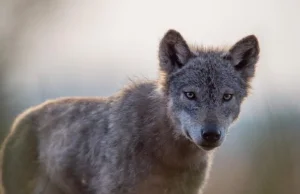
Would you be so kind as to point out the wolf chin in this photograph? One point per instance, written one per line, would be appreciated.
(151, 137)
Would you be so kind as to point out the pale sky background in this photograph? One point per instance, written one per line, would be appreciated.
(93, 38)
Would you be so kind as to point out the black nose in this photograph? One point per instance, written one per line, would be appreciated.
(211, 134)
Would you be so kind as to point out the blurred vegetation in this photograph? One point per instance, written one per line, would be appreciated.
(268, 158)
(3, 96)
(276, 156)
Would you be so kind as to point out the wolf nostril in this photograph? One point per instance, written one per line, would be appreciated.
(211, 136)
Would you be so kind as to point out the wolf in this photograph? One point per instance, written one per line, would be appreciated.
(151, 137)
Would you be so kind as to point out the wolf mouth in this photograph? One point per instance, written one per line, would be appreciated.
(204, 146)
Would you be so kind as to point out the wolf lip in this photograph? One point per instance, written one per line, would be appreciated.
(206, 147)
(209, 146)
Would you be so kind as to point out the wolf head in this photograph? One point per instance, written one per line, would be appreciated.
(205, 87)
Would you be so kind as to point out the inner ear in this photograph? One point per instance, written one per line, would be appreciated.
(173, 51)
(244, 61)
(244, 52)
(244, 55)
(174, 59)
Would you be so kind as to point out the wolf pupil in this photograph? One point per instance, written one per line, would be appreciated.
(227, 97)
(190, 95)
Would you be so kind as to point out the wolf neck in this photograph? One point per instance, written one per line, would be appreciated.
(157, 131)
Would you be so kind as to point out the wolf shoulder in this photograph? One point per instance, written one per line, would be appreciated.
(62, 112)
(69, 112)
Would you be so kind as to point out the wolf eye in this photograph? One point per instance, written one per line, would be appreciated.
(190, 95)
(227, 97)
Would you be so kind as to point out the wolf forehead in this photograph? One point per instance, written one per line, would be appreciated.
(207, 68)
(210, 70)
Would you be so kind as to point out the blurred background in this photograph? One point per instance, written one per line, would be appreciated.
(54, 48)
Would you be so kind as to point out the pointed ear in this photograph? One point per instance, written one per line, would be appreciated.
(173, 51)
(244, 55)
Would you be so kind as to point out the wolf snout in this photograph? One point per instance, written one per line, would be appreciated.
(211, 136)
(207, 137)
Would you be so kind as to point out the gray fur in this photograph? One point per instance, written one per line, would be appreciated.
(145, 139)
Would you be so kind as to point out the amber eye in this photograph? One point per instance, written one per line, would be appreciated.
(227, 97)
(190, 95)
